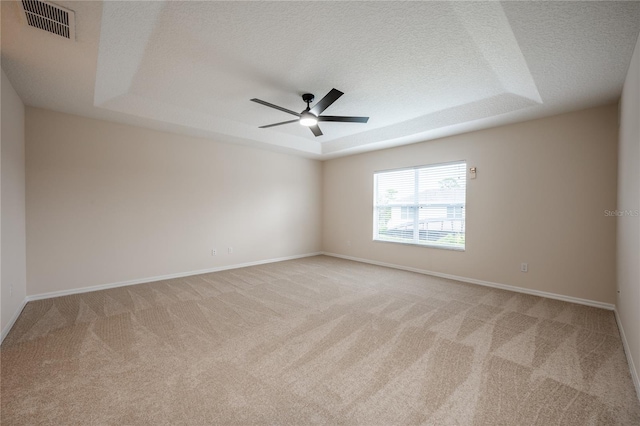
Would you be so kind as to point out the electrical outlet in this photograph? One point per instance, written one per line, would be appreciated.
(230, 250)
(524, 267)
(214, 252)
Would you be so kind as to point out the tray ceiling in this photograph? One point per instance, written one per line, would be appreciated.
(419, 70)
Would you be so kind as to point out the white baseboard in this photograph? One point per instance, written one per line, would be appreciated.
(163, 277)
(12, 321)
(49, 295)
(627, 351)
(40, 296)
(608, 306)
(587, 302)
(548, 295)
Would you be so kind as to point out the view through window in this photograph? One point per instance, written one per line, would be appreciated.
(422, 205)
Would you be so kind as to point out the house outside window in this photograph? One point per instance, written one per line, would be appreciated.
(422, 205)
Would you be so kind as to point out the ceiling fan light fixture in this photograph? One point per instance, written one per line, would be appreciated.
(308, 119)
(311, 116)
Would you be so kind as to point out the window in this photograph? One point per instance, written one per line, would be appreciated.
(421, 205)
(406, 213)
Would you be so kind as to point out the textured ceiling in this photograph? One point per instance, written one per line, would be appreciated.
(419, 70)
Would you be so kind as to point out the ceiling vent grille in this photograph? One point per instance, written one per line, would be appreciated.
(49, 17)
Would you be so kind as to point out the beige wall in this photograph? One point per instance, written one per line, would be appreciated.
(12, 228)
(108, 203)
(628, 303)
(539, 197)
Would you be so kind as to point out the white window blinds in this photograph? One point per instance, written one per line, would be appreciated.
(421, 205)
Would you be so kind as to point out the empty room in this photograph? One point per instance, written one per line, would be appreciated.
(447, 233)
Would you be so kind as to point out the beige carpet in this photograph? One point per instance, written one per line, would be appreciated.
(314, 341)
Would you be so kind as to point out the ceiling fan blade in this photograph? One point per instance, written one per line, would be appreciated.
(278, 124)
(325, 102)
(288, 111)
(342, 119)
(316, 130)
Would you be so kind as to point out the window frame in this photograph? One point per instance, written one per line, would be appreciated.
(415, 206)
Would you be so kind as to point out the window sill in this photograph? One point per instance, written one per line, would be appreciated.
(431, 246)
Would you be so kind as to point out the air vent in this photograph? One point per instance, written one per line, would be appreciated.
(49, 17)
